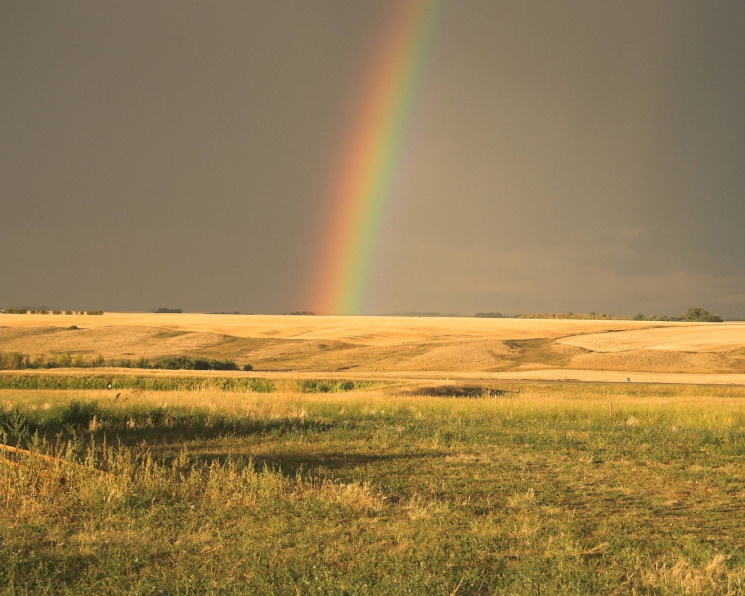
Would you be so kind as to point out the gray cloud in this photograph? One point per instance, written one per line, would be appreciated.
(582, 156)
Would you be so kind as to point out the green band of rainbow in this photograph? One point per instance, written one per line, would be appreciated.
(362, 186)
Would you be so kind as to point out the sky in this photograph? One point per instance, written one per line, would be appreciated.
(556, 156)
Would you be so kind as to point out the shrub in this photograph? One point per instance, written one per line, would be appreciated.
(186, 363)
(59, 361)
(13, 361)
(79, 361)
(79, 413)
(223, 365)
(175, 362)
(699, 314)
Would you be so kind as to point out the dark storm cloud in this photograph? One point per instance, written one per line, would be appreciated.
(560, 156)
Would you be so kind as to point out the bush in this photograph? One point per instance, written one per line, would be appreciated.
(186, 363)
(175, 363)
(79, 413)
(701, 315)
(59, 361)
(13, 361)
(223, 365)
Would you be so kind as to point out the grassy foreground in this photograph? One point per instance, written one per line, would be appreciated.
(366, 492)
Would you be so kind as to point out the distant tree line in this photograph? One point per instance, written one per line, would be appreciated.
(591, 316)
(418, 313)
(164, 309)
(19, 361)
(44, 311)
(695, 314)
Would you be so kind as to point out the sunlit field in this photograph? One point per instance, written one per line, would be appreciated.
(372, 456)
(512, 348)
(553, 488)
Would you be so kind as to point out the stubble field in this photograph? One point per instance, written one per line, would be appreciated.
(374, 456)
(479, 348)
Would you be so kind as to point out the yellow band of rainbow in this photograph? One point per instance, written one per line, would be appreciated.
(362, 183)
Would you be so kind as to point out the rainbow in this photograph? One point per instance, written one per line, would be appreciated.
(362, 181)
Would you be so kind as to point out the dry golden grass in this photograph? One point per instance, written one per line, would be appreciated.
(360, 330)
(403, 346)
(672, 337)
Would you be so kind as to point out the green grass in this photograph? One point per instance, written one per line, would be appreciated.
(366, 492)
(153, 382)
(145, 382)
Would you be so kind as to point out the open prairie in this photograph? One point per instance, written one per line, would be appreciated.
(374, 456)
(402, 346)
(536, 488)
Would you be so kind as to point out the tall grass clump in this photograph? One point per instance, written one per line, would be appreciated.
(330, 386)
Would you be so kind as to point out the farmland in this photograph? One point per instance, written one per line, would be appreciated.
(370, 456)
(400, 346)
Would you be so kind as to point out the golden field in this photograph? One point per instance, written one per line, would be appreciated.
(405, 347)
(373, 456)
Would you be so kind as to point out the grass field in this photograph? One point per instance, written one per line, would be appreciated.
(372, 481)
(537, 490)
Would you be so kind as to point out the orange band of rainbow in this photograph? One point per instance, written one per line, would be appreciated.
(362, 184)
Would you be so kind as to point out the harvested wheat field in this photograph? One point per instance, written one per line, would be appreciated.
(401, 346)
